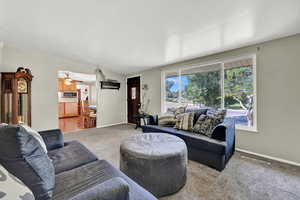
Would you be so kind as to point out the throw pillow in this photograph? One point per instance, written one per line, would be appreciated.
(36, 135)
(168, 120)
(3, 124)
(206, 123)
(185, 121)
(12, 187)
(218, 114)
(22, 155)
(177, 110)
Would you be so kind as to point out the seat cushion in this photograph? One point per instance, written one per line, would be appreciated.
(202, 142)
(192, 140)
(72, 155)
(23, 156)
(79, 180)
(155, 128)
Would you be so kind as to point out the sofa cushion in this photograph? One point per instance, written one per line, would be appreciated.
(219, 115)
(12, 187)
(22, 155)
(167, 119)
(202, 142)
(185, 121)
(71, 183)
(206, 123)
(112, 189)
(53, 138)
(36, 135)
(198, 113)
(177, 110)
(155, 128)
(72, 155)
(191, 139)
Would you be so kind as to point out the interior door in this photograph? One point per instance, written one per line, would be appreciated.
(133, 98)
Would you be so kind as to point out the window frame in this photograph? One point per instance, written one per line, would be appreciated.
(222, 70)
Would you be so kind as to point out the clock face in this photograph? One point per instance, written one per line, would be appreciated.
(22, 86)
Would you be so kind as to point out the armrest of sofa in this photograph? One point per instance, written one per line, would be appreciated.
(112, 189)
(225, 132)
(53, 138)
(153, 120)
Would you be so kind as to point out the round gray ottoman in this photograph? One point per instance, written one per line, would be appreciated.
(156, 161)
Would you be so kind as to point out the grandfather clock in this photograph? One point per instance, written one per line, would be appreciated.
(16, 96)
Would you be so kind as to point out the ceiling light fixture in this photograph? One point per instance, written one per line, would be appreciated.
(68, 80)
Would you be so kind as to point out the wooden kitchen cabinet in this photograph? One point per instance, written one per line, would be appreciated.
(68, 109)
(63, 87)
(71, 108)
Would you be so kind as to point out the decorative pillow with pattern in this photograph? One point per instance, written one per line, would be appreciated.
(185, 121)
(177, 110)
(218, 114)
(206, 123)
(168, 120)
(12, 187)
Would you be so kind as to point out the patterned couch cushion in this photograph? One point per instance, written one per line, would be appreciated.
(167, 120)
(12, 187)
(206, 123)
(185, 121)
(177, 110)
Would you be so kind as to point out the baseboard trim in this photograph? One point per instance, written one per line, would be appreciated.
(108, 125)
(270, 157)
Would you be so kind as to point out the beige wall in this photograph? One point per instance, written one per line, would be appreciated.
(44, 86)
(112, 102)
(278, 96)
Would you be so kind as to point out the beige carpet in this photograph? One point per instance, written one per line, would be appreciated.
(244, 178)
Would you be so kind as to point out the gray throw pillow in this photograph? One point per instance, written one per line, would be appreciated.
(36, 135)
(22, 155)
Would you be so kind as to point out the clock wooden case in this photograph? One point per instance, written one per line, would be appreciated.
(16, 96)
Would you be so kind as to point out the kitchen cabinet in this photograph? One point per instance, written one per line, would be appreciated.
(71, 108)
(63, 87)
(68, 109)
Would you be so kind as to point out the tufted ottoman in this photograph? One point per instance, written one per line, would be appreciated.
(157, 161)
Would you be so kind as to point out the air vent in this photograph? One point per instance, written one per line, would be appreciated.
(112, 85)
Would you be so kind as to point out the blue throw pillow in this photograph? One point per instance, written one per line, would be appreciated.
(23, 156)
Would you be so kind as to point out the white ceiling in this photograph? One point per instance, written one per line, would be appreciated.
(130, 36)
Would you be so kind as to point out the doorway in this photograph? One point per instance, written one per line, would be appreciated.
(133, 98)
(77, 101)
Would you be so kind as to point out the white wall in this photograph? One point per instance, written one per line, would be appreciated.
(278, 96)
(44, 86)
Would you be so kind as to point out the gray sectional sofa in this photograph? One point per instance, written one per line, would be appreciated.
(71, 173)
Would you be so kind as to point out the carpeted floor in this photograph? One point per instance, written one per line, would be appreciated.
(244, 178)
